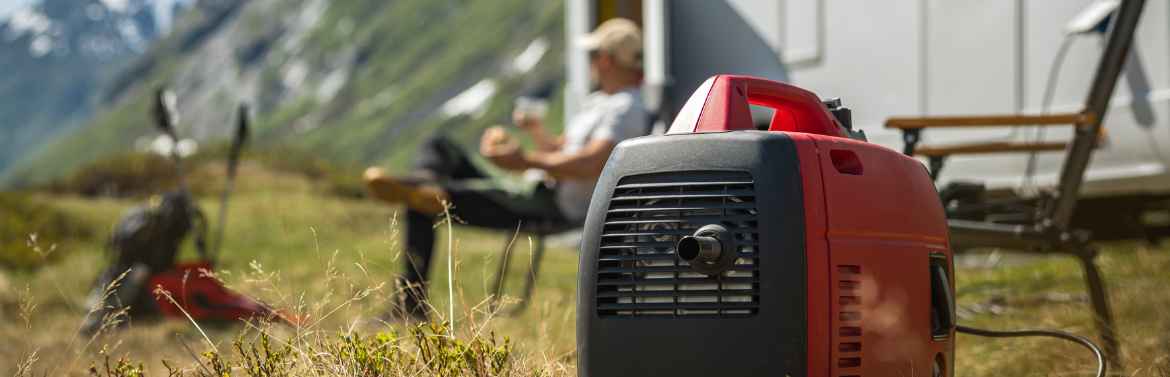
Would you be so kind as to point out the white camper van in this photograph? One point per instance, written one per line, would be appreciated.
(924, 58)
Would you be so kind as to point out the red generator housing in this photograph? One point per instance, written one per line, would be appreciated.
(722, 250)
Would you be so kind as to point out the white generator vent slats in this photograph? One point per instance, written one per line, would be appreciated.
(638, 273)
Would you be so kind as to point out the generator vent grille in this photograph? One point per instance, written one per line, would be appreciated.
(848, 319)
(638, 273)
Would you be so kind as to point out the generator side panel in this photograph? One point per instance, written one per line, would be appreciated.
(819, 304)
(639, 333)
(881, 321)
(884, 225)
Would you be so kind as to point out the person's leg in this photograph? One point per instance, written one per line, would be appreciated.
(438, 161)
(420, 245)
(503, 205)
(421, 196)
(445, 160)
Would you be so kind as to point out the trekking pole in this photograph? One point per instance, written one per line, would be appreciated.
(238, 141)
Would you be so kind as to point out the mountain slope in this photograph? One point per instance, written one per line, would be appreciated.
(62, 51)
(357, 81)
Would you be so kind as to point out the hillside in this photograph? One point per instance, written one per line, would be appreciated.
(65, 51)
(355, 81)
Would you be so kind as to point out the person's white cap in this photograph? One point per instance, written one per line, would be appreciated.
(618, 37)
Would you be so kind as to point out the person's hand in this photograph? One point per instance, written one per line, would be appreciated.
(527, 121)
(508, 156)
(492, 137)
(499, 148)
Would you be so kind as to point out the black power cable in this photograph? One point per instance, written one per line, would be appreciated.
(1046, 103)
(1101, 365)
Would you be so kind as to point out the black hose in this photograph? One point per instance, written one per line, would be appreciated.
(1101, 365)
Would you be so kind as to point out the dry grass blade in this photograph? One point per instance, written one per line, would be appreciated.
(450, 266)
(160, 292)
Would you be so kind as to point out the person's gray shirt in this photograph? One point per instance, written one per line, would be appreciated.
(614, 117)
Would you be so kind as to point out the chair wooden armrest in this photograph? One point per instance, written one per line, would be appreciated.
(989, 148)
(905, 123)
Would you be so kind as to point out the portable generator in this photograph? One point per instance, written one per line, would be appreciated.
(800, 250)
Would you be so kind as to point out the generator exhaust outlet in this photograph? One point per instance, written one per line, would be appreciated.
(701, 249)
(710, 250)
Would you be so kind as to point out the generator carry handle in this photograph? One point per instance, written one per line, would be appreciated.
(722, 104)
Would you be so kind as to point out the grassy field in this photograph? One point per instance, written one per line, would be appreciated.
(329, 259)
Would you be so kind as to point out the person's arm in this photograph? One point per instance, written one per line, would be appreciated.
(534, 127)
(586, 163)
(622, 121)
(624, 118)
(544, 141)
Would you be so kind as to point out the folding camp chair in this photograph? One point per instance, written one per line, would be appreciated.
(1043, 224)
(538, 230)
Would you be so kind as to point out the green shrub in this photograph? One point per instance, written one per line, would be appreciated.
(141, 174)
(29, 230)
(345, 186)
(135, 174)
(332, 179)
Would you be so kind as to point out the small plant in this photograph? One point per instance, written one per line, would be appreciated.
(218, 367)
(259, 359)
(447, 356)
(370, 356)
(121, 368)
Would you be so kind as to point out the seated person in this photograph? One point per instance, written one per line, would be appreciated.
(480, 191)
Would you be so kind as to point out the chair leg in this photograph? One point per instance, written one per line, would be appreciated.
(533, 272)
(501, 274)
(1099, 299)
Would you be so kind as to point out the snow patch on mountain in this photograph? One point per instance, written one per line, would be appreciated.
(27, 20)
(117, 5)
(165, 11)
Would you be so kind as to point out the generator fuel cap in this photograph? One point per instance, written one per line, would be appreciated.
(710, 250)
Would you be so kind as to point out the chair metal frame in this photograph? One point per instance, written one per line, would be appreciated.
(539, 230)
